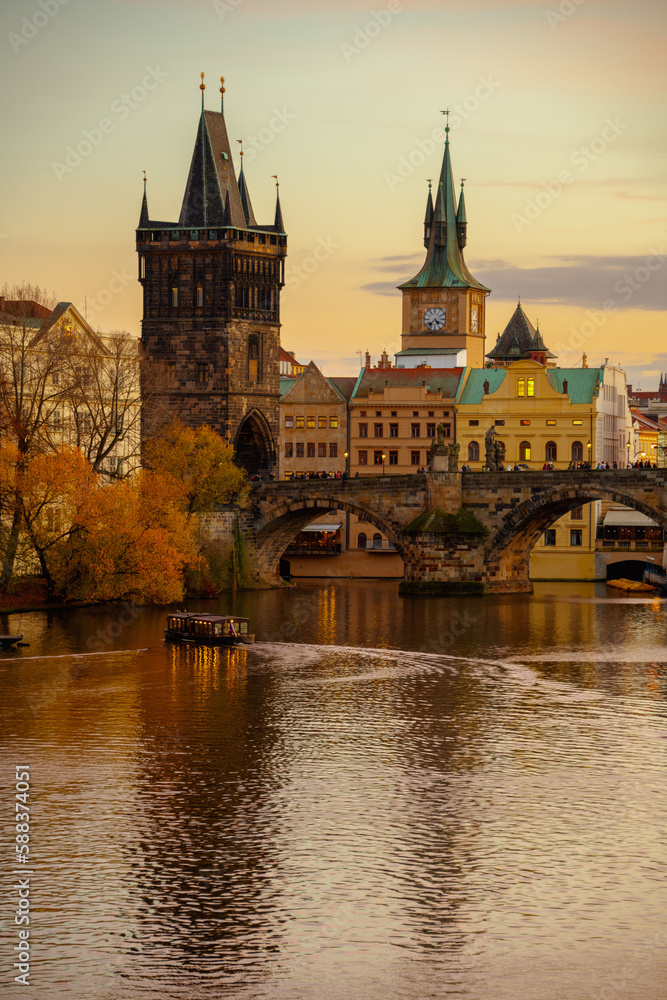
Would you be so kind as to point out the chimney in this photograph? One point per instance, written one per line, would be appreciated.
(368, 360)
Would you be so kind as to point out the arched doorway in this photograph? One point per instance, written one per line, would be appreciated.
(255, 450)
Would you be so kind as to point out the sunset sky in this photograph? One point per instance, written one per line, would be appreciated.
(558, 125)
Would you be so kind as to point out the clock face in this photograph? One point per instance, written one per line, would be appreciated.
(434, 319)
(473, 320)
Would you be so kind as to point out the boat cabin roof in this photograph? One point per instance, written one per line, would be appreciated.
(207, 618)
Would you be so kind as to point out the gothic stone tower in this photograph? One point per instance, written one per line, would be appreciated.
(443, 305)
(211, 313)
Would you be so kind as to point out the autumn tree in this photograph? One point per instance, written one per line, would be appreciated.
(201, 462)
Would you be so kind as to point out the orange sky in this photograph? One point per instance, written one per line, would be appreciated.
(558, 126)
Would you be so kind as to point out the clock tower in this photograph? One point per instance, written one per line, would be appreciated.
(443, 305)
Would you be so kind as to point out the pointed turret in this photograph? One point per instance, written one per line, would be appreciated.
(143, 217)
(245, 198)
(520, 339)
(444, 266)
(227, 215)
(428, 217)
(461, 220)
(211, 173)
(278, 223)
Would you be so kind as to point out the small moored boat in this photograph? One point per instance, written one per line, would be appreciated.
(210, 630)
(9, 640)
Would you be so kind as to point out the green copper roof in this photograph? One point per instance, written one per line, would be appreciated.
(444, 266)
(582, 383)
(473, 390)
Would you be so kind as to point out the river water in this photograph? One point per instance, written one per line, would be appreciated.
(383, 799)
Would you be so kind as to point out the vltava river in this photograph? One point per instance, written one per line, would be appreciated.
(383, 799)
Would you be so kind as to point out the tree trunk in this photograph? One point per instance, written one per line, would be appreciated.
(12, 546)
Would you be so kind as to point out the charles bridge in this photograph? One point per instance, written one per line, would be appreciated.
(456, 532)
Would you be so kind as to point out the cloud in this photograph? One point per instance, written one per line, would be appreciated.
(637, 281)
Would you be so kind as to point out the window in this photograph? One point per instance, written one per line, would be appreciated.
(377, 540)
(393, 430)
(289, 421)
(200, 296)
(577, 423)
(393, 458)
(201, 371)
(174, 296)
(414, 458)
(310, 422)
(56, 421)
(550, 423)
(361, 540)
(377, 458)
(378, 430)
(473, 423)
(394, 413)
(577, 514)
(577, 451)
(253, 358)
(499, 423)
(289, 449)
(415, 413)
(310, 449)
(322, 422)
(333, 422)
(363, 458)
(473, 451)
(414, 430)
(378, 413)
(445, 413)
(448, 430)
(531, 387)
(550, 536)
(363, 430)
(521, 387)
(525, 423)
(299, 449)
(321, 450)
(430, 430)
(524, 451)
(333, 450)
(362, 413)
(576, 536)
(142, 268)
(300, 422)
(551, 451)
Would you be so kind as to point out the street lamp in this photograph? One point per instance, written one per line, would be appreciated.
(383, 458)
(589, 454)
(347, 464)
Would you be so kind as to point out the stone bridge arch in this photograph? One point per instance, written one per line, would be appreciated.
(510, 543)
(276, 527)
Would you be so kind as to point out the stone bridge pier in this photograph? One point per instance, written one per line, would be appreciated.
(469, 533)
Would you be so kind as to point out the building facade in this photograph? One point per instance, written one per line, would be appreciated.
(211, 301)
(314, 424)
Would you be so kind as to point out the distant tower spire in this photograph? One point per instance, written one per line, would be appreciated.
(222, 95)
(278, 223)
(461, 220)
(202, 87)
(143, 217)
(428, 217)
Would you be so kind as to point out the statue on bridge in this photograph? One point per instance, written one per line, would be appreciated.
(440, 456)
(495, 452)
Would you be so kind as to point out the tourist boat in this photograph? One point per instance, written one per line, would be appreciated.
(9, 640)
(208, 630)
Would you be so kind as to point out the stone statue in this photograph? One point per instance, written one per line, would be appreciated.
(453, 453)
(440, 447)
(486, 387)
(490, 448)
(439, 458)
(500, 456)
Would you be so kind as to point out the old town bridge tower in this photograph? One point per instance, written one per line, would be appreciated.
(211, 311)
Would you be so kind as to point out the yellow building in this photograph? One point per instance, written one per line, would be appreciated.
(313, 424)
(645, 438)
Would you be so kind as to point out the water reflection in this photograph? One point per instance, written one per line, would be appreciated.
(383, 798)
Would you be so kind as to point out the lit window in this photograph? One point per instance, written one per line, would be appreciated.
(333, 422)
(550, 423)
(321, 422)
(524, 451)
(311, 421)
(300, 422)
(525, 423)
(577, 423)
(521, 387)
(531, 387)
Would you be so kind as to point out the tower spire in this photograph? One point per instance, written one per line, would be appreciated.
(278, 223)
(461, 220)
(222, 95)
(143, 217)
(428, 217)
(202, 87)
